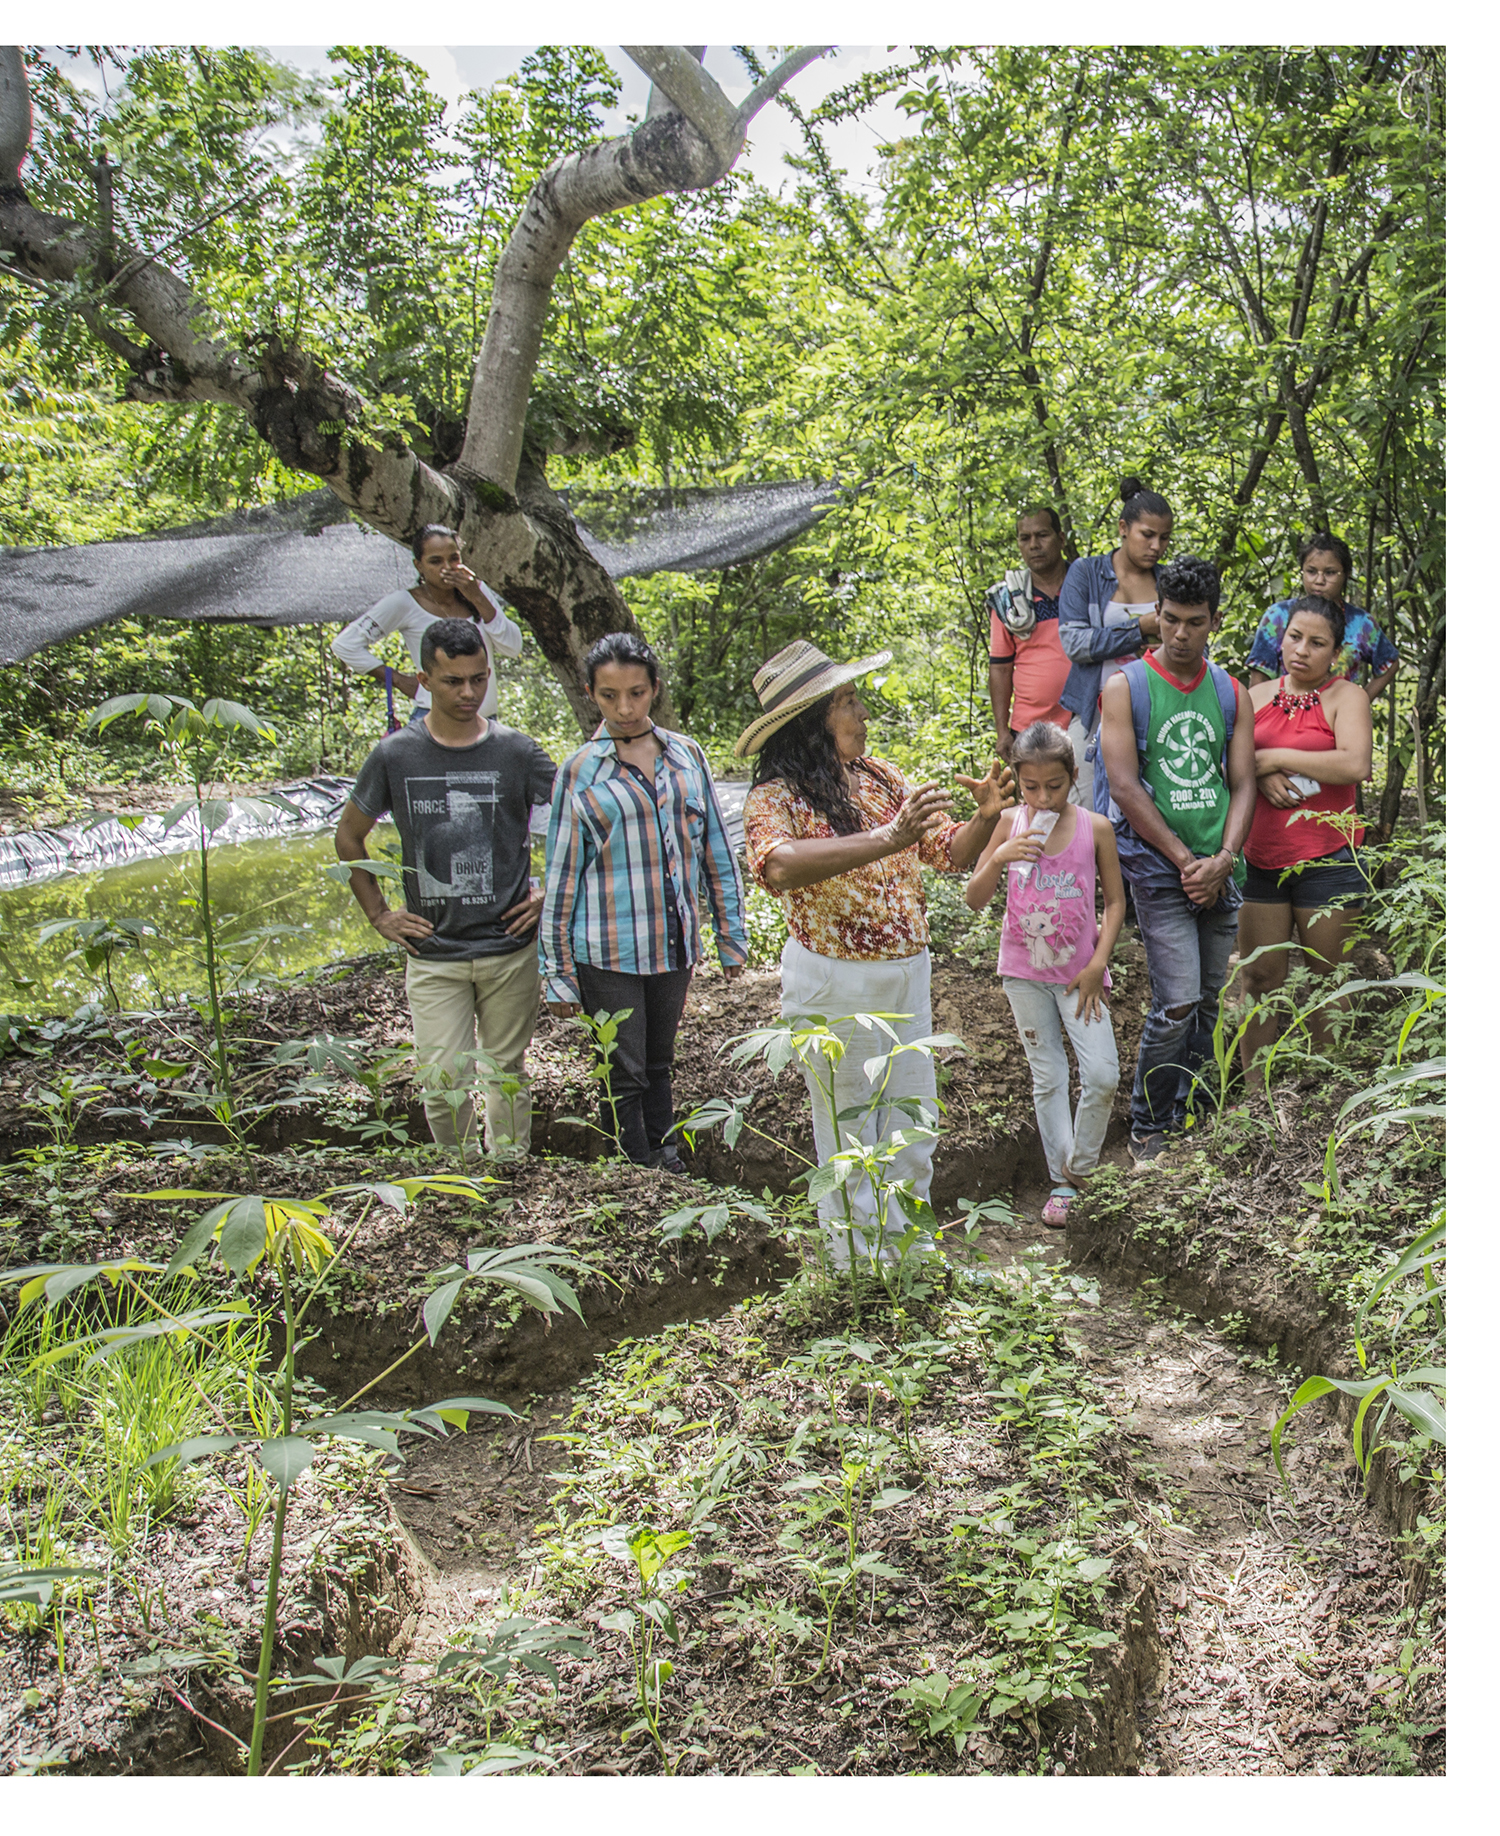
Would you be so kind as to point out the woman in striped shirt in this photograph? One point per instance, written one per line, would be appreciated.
(635, 825)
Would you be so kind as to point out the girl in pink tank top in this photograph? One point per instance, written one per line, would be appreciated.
(1053, 952)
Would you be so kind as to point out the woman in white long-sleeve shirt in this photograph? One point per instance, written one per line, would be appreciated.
(446, 589)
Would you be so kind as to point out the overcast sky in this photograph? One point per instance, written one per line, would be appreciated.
(854, 145)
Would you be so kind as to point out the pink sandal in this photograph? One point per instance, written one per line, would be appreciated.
(1055, 1211)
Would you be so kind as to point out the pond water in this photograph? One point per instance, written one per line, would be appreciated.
(277, 881)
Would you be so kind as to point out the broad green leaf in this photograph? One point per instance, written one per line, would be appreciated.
(197, 1447)
(380, 870)
(221, 713)
(243, 1237)
(1425, 1413)
(437, 1307)
(285, 1457)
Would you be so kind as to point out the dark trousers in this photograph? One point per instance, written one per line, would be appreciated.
(640, 1072)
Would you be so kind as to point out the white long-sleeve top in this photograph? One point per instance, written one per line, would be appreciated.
(400, 612)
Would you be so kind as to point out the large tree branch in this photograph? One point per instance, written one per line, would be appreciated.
(15, 116)
(681, 78)
(517, 535)
(686, 148)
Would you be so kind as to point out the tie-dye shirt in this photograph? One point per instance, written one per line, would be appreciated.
(1366, 650)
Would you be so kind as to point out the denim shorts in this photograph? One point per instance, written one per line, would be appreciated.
(1331, 880)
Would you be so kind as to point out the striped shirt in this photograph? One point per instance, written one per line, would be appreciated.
(616, 853)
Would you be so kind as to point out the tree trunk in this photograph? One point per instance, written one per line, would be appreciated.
(517, 534)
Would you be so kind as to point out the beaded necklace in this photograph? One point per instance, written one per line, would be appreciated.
(1291, 703)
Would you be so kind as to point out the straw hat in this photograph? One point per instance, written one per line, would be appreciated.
(793, 680)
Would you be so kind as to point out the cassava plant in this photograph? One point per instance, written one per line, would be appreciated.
(198, 742)
(286, 1242)
(905, 1222)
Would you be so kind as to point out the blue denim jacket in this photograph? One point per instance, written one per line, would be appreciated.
(1085, 638)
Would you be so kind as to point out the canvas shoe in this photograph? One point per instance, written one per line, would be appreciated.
(1146, 1148)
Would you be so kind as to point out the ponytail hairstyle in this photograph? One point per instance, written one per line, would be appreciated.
(426, 534)
(620, 647)
(1136, 501)
(1321, 608)
(1044, 743)
(1329, 544)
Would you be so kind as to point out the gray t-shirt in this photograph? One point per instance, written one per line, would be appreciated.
(462, 813)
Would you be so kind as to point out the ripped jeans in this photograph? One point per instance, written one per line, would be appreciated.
(1187, 957)
(1044, 1011)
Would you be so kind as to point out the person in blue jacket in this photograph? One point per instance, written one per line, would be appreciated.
(1107, 614)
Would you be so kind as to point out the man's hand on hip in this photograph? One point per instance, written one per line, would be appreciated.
(522, 919)
(404, 928)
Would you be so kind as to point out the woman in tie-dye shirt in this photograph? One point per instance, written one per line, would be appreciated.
(1366, 656)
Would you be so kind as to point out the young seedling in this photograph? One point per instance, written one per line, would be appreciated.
(289, 1238)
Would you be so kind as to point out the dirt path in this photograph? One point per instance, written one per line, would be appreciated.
(1264, 1597)
(1269, 1597)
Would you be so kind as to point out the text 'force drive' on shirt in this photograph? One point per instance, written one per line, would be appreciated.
(463, 814)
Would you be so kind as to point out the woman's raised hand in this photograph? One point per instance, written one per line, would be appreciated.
(994, 792)
(921, 812)
(466, 582)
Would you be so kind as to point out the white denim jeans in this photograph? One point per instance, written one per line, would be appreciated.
(1044, 1011)
(813, 984)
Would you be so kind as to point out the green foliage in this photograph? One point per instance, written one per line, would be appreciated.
(288, 1237)
(1219, 266)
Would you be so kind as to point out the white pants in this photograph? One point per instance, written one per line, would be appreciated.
(813, 984)
(1044, 1011)
(1083, 785)
(489, 999)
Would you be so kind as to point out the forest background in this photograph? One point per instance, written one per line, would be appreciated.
(1221, 269)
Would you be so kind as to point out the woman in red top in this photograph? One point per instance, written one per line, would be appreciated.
(1312, 746)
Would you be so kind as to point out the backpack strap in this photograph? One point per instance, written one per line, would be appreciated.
(1229, 701)
(1134, 673)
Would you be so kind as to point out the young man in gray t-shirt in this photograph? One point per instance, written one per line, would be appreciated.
(459, 789)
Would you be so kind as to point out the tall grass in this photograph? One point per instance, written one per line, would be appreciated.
(94, 1423)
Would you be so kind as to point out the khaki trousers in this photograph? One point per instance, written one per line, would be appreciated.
(491, 999)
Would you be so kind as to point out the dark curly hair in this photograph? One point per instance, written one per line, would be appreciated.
(1189, 581)
(805, 754)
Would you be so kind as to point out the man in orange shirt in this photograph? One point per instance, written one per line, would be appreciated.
(1028, 673)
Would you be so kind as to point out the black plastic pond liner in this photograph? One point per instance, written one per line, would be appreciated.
(86, 847)
(306, 562)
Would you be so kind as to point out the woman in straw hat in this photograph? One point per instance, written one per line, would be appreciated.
(841, 839)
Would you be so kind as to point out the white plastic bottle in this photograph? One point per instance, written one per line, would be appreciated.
(1041, 823)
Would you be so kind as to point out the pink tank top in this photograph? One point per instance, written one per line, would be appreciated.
(1050, 930)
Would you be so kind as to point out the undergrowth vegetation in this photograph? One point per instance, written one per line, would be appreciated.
(885, 1511)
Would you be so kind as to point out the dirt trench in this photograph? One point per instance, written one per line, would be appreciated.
(1251, 1640)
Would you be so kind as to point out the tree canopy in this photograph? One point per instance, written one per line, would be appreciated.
(1220, 268)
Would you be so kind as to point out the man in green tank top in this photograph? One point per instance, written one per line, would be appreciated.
(1185, 798)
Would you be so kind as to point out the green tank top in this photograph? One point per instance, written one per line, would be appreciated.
(1184, 746)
